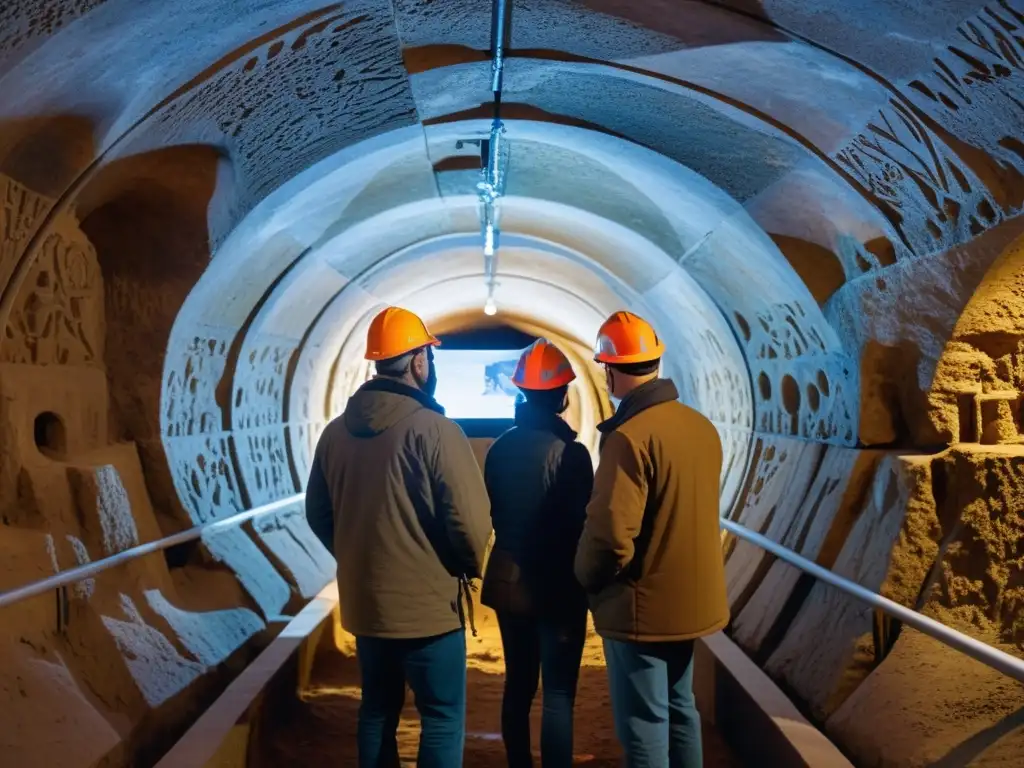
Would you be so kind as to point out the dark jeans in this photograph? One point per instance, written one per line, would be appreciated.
(656, 716)
(534, 647)
(435, 668)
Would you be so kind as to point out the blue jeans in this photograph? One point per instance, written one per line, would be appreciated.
(656, 716)
(435, 668)
(533, 648)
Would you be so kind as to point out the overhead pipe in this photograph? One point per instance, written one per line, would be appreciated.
(501, 39)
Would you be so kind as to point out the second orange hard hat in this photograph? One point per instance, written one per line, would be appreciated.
(395, 332)
(627, 338)
(542, 366)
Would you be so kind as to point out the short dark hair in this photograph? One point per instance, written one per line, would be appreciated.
(548, 400)
(636, 369)
(397, 367)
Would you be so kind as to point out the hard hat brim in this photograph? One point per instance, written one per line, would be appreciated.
(378, 356)
(639, 357)
(554, 383)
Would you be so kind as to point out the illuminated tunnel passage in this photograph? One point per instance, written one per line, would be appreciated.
(816, 203)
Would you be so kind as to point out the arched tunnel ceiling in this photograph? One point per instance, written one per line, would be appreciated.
(817, 204)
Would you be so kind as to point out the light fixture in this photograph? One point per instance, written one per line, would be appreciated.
(489, 240)
(490, 308)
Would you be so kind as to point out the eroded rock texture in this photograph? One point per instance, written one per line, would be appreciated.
(818, 204)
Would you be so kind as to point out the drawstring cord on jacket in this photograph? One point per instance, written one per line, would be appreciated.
(466, 590)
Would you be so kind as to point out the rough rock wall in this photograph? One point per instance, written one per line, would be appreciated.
(117, 664)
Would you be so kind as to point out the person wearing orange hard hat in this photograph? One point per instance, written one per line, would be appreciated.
(396, 494)
(539, 480)
(650, 555)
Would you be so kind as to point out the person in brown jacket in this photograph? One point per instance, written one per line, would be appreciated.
(396, 494)
(650, 556)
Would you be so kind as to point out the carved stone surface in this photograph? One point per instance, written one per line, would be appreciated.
(307, 565)
(204, 476)
(191, 375)
(824, 653)
(58, 316)
(781, 473)
(234, 548)
(934, 199)
(104, 508)
(259, 382)
(263, 463)
(302, 439)
(159, 671)
(817, 531)
(976, 90)
(929, 705)
(210, 637)
(296, 99)
(21, 210)
(22, 22)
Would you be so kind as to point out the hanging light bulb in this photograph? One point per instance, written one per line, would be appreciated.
(490, 307)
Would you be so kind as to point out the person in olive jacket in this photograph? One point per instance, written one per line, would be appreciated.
(539, 480)
(396, 494)
(651, 554)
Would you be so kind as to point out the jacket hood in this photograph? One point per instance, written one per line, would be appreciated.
(381, 403)
(530, 417)
(654, 392)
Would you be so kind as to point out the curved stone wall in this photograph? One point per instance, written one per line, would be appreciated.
(817, 203)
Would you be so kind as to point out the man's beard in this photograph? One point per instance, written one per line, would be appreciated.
(429, 386)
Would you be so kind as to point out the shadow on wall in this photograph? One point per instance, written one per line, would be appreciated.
(47, 154)
(147, 216)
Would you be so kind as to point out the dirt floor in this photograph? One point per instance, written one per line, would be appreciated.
(321, 730)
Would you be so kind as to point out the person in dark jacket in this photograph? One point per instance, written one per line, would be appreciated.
(396, 493)
(651, 552)
(539, 480)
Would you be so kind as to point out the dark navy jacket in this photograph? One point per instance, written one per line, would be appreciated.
(539, 481)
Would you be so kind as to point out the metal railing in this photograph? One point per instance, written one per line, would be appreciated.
(82, 572)
(986, 654)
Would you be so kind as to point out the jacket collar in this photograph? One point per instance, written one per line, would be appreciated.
(529, 417)
(654, 392)
(395, 387)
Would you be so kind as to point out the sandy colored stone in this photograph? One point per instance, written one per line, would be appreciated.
(210, 637)
(300, 556)
(39, 695)
(979, 583)
(928, 706)
(104, 508)
(889, 550)
(783, 470)
(234, 548)
(817, 531)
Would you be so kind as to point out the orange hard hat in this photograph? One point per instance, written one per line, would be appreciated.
(626, 338)
(394, 332)
(542, 366)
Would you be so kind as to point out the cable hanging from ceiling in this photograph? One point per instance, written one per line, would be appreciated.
(494, 153)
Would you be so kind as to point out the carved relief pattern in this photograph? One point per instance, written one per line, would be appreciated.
(341, 75)
(816, 399)
(58, 317)
(24, 21)
(189, 398)
(723, 390)
(976, 86)
(302, 439)
(934, 200)
(204, 477)
(259, 385)
(784, 331)
(263, 461)
(20, 213)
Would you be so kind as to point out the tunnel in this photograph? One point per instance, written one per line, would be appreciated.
(816, 204)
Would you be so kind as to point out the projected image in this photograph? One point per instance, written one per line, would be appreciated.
(476, 384)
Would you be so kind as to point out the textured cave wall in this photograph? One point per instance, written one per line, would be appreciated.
(879, 151)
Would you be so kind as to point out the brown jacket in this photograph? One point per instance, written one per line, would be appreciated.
(397, 495)
(651, 554)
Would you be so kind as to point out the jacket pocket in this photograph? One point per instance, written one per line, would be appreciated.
(504, 588)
